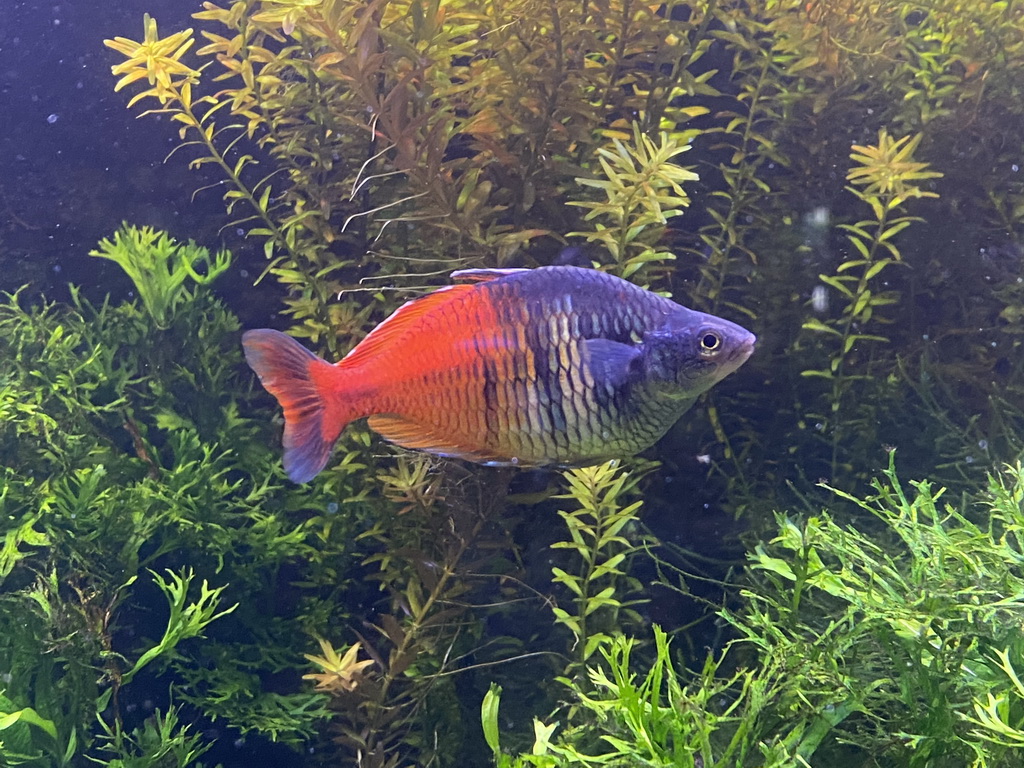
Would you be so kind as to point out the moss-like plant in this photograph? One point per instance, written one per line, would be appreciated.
(127, 449)
(160, 268)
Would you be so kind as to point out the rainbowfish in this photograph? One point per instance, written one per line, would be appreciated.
(529, 367)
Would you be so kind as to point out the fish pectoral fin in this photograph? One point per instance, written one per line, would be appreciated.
(415, 436)
(610, 361)
(483, 275)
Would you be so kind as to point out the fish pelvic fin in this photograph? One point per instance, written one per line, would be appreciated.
(306, 386)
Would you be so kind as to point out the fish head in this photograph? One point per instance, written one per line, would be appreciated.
(692, 351)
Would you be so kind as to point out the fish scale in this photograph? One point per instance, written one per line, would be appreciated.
(558, 365)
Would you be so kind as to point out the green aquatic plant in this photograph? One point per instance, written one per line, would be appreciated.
(18, 741)
(162, 740)
(187, 619)
(160, 267)
(643, 188)
(665, 716)
(380, 144)
(409, 138)
(904, 627)
(723, 251)
(890, 643)
(599, 578)
(885, 178)
(431, 545)
(128, 452)
(61, 736)
(157, 60)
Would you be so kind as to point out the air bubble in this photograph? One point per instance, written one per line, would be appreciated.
(819, 299)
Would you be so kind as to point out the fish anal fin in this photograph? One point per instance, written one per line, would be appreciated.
(611, 361)
(410, 434)
(483, 275)
(404, 319)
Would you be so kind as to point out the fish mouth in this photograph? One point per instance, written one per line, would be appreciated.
(744, 349)
(739, 354)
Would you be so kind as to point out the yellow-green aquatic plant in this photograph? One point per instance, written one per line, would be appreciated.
(598, 579)
(642, 183)
(338, 673)
(161, 268)
(412, 137)
(158, 61)
(885, 177)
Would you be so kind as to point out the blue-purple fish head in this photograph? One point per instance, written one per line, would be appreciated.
(693, 351)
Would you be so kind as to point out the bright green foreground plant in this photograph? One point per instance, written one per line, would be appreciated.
(902, 647)
(664, 717)
(126, 452)
(913, 628)
(160, 267)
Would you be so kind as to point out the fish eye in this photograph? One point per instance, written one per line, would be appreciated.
(709, 342)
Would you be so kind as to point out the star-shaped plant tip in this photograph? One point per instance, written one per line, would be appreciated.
(888, 168)
(158, 61)
(340, 673)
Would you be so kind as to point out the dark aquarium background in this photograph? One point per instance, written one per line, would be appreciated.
(76, 164)
(821, 564)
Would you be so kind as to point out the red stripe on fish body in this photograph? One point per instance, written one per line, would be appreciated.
(431, 372)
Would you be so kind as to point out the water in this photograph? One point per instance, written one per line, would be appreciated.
(887, 298)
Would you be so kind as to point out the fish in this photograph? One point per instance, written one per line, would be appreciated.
(553, 366)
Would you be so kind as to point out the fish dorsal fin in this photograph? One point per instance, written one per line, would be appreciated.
(404, 318)
(483, 275)
(610, 361)
(410, 434)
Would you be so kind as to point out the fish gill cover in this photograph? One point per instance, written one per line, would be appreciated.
(842, 178)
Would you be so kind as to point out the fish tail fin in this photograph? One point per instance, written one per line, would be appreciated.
(306, 386)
